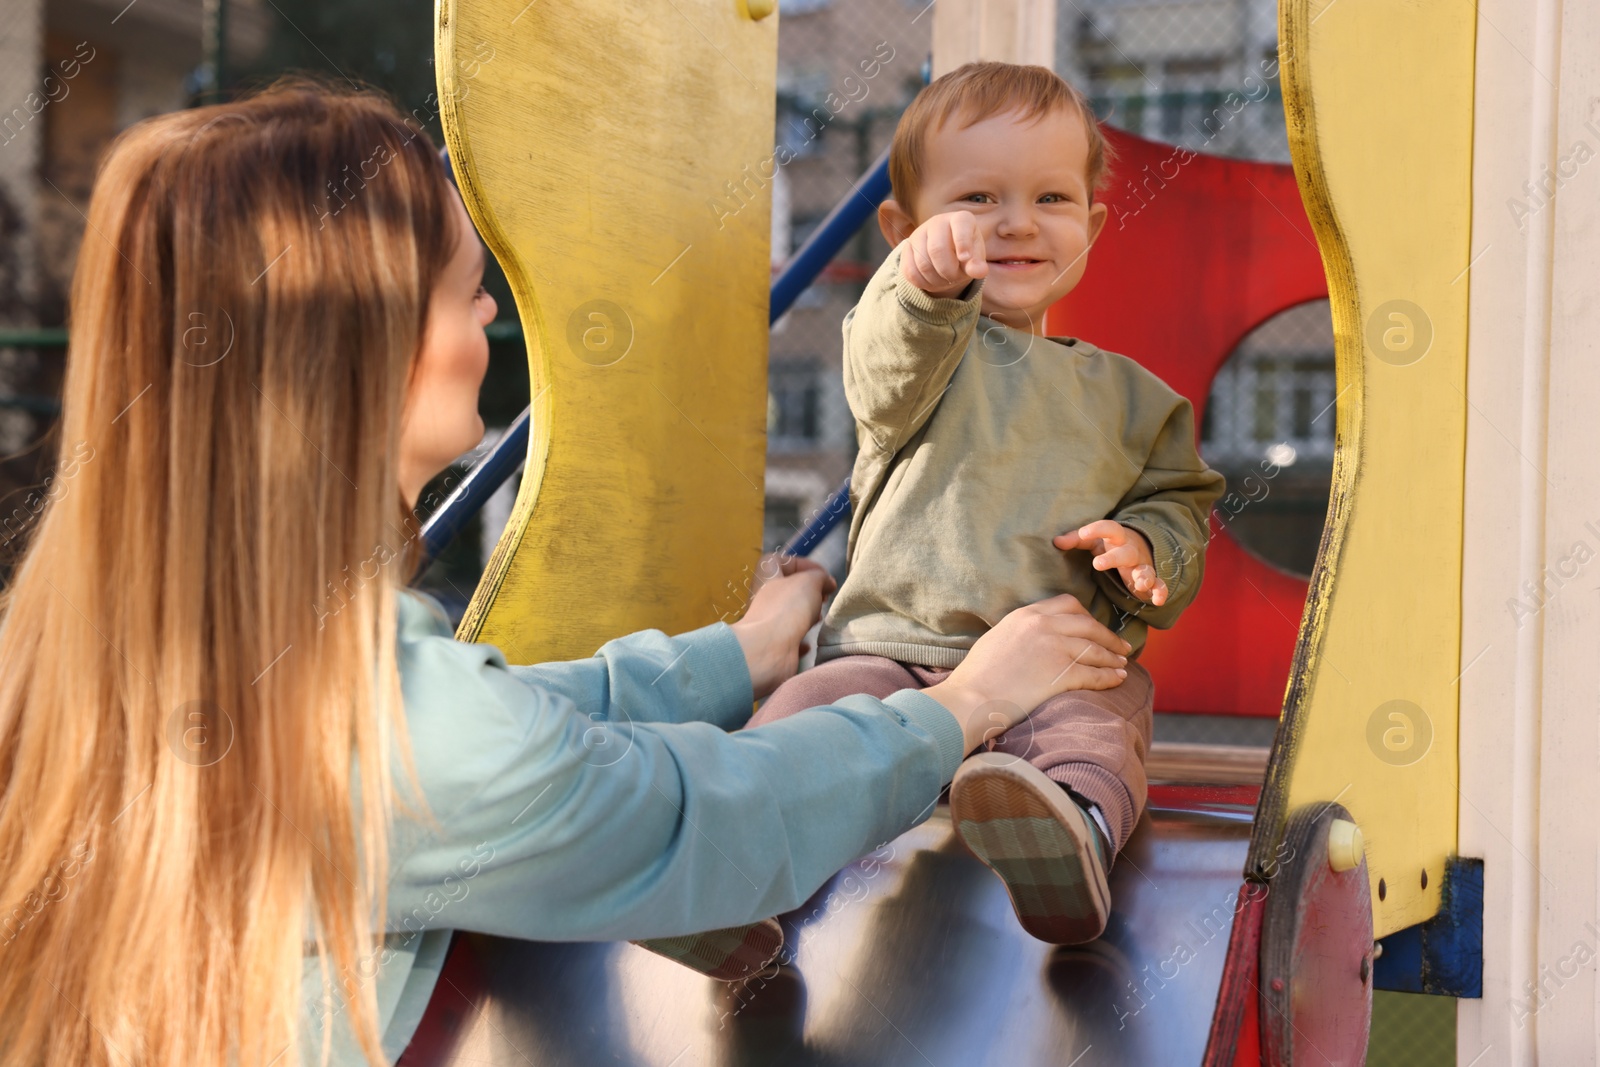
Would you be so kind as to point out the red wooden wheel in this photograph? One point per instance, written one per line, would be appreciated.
(1316, 952)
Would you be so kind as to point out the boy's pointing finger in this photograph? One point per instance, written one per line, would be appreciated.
(961, 235)
(976, 259)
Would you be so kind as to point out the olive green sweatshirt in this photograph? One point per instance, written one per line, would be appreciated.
(978, 444)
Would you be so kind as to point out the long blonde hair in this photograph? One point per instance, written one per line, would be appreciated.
(197, 651)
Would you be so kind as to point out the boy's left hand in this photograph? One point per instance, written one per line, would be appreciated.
(1122, 547)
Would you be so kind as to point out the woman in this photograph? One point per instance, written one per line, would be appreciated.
(235, 751)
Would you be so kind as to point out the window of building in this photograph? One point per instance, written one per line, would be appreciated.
(780, 522)
(794, 405)
(802, 122)
(1269, 428)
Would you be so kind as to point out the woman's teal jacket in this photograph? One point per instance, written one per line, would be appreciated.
(615, 798)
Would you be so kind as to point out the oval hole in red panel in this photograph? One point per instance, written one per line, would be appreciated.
(1269, 427)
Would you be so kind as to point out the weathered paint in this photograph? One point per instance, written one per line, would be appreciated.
(616, 158)
(1379, 100)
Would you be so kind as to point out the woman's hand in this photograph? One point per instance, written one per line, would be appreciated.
(1033, 653)
(789, 592)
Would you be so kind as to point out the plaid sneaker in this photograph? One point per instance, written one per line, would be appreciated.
(1039, 841)
(727, 955)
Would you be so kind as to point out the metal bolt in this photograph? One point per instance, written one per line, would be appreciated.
(760, 9)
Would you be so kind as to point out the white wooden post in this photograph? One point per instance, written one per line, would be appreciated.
(1530, 720)
(1009, 31)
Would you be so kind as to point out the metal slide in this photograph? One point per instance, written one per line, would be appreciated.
(909, 956)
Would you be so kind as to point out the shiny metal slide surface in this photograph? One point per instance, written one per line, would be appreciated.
(911, 956)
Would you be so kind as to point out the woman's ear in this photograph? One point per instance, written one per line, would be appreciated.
(894, 222)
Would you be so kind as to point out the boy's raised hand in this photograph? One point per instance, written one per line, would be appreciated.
(1122, 547)
(945, 254)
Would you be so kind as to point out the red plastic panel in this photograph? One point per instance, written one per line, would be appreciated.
(1235, 1039)
(1197, 252)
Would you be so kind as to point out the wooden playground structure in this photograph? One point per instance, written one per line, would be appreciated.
(1413, 831)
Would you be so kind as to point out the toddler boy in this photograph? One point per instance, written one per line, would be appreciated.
(997, 467)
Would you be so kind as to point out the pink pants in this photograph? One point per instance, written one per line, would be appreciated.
(1092, 741)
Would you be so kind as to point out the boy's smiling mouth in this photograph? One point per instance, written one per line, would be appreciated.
(1015, 262)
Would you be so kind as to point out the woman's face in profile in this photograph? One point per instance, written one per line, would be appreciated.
(442, 419)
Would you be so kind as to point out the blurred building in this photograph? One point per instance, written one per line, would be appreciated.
(1164, 71)
(846, 71)
(76, 72)
(73, 74)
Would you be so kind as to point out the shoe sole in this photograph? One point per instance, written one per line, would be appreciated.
(1025, 828)
(728, 955)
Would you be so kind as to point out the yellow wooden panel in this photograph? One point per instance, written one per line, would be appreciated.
(1379, 103)
(617, 158)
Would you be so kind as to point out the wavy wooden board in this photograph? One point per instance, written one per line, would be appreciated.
(595, 145)
(1379, 100)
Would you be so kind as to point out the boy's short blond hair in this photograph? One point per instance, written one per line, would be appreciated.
(977, 91)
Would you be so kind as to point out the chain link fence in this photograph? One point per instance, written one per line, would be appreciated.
(1412, 1030)
(845, 74)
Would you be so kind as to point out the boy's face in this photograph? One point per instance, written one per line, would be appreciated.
(1026, 182)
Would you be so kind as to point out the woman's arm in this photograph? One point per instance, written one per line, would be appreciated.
(645, 677)
(707, 675)
(555, 825)
(650, 677)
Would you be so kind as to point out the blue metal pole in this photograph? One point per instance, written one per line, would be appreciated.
(833, 511)
(476, 488)
(830, 236)
(798, 275)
